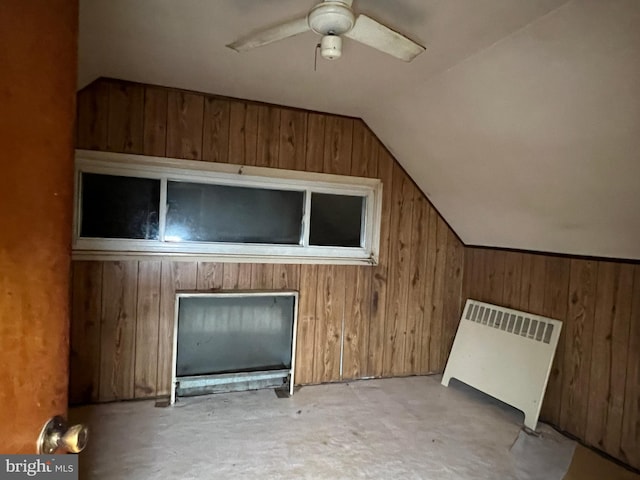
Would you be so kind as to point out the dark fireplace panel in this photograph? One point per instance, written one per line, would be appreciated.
(235, 340)
(234, 334)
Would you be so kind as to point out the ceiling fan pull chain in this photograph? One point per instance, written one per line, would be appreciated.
(315, 58)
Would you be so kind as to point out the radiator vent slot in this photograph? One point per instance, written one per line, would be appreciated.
(534, 329)
(505, 353)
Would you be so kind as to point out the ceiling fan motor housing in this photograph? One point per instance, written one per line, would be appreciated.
(331, 47)
(331, 18)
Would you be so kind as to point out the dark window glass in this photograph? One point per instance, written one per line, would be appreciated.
(221, 213)
(119, 207)
(336, 220)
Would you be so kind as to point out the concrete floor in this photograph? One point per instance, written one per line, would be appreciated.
(400, 428)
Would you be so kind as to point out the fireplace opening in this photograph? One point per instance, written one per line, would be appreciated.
(233, 340)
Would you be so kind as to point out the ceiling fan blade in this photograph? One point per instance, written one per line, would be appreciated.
(372, 33)
(270, 35)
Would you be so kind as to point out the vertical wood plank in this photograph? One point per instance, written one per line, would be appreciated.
(262, 276)
(601, 355)
(556, 282)
(286, 277)
(532, 292)
(337, 145)
(356, 321)
(358, 161)
(118, 330)
(245, 271)
(184, 125)
(630, 437)
(364, 152)
(609, 356)
(155, 121)
(525, 282)
(126, 113)
(380, 271)
(619, 342)
(243, 133)
(417, 283)
(209, 276)
(230, 276)
(93, 116)
(452, 302)
(494, 280)
(257, 275)
(215, 135)
(399, 272)
(329, 313)
(305, 340)
(512, 280)
(293, 138)
(479, 274)
(430, 279)
(86, 307)
(364, 159)
(469, 254)
(175, 276)
(315, 142)
(147, 326)
(295, 149)
(577, 347)
(323, 306)
(435, 354)
(268, 146)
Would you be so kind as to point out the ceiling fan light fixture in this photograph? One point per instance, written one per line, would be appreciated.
(331, 47)
(331, 18)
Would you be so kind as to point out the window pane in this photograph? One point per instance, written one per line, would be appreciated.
(220, 213)
(119, 207)
(336, 220)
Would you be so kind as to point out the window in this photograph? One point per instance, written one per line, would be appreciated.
(228, 213)
(131, 205)
(119, 207)
(336, 220)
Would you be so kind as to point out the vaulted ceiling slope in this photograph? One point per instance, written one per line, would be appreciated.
(521, 121)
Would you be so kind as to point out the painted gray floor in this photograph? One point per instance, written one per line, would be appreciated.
(400, 428)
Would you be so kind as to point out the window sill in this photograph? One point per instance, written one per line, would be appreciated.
(93, 255)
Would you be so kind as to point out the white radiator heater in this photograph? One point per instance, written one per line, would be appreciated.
(506, 354)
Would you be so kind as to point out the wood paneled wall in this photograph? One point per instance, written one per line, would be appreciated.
(396, 318)
(594, 387)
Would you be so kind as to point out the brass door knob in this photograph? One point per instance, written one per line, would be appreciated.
(57, 435)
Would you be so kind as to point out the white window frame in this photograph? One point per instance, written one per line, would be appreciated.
(169, 169)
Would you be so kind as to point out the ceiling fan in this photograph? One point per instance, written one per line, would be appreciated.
(334, 19)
